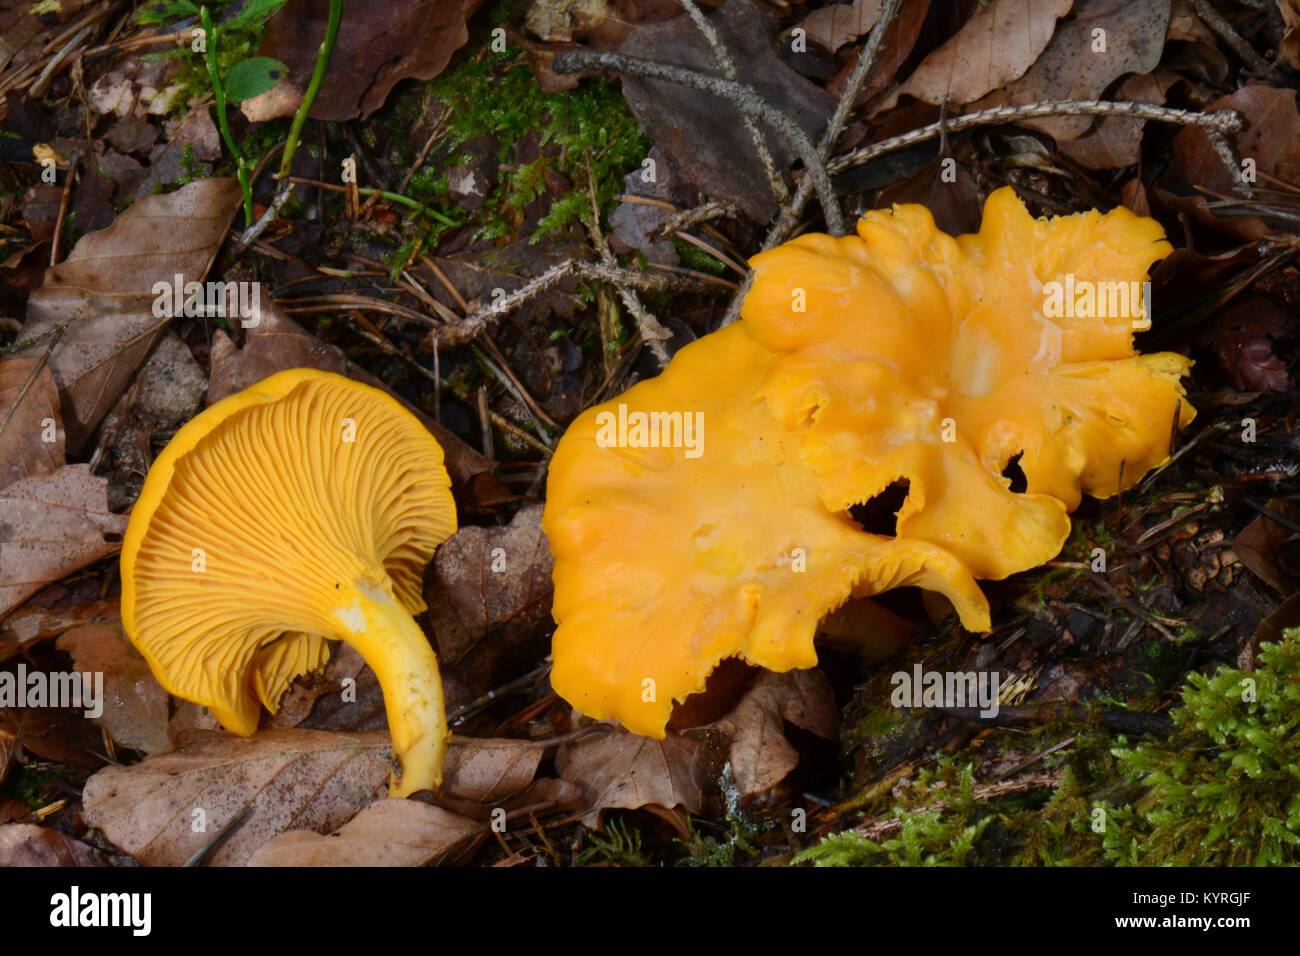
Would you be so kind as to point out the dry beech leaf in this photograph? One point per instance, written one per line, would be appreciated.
(1271, 551)
(760, 754)
(380, 43)
(104, 294)
(838, 24)
(1117, 141)
(1072, 67)
(277, 343)
(386, 833)
(32, 623)
(31, 443)
(895, 47)
(135, 704)
(50, 526)
(490, 596)
(288, 777)
(8, 751)
(25, 844)
(997, 45)
(622, 770)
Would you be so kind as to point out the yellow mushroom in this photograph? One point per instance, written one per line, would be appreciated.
(300, 510)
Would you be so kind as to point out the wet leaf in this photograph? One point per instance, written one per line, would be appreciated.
(25, 844)
(996, 46)
(103, 299)
(386, 833)
(135, 706)
(490, 598)
(50, 526)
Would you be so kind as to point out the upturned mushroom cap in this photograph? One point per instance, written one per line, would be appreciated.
(300, 510)
(898, 354)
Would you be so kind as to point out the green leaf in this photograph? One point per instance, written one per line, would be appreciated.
(165, 11)
(253, 77)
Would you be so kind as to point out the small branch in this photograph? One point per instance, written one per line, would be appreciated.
(259, 227)
(1211, 18)
(728, 68)
(690, 218)
(738, 95)
(1224, 121)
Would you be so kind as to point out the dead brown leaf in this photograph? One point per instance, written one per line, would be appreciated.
(31, 443)
(102, 295)
(1117, 141)
(379, 44)
(706, 136)
(33, 622)
(50, 526)
(8, 751)
(386, 833)
(895, 47)
(996, 46)
(838, 24)
(760, 755)
(135, 704)
(490, 598)
(622, 770)
(288, 777)
(1099, 43)
(277, 343)
(1270, 550)
(25, 844)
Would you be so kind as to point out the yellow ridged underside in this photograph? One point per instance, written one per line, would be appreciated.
(284, 514)
(666, 564)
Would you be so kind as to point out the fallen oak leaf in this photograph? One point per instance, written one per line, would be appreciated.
(386, 833)
(489, 599)
(98, 306)
(26, 844)
(50, 526)
(134, 704)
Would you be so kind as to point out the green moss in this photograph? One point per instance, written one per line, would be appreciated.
(620, 845)
(696, 258)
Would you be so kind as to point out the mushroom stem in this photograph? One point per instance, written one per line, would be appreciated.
(392, 644)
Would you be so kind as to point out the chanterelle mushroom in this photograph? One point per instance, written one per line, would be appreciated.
(898, 354)
(299, 510)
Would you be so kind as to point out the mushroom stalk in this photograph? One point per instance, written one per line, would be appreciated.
(392, 644)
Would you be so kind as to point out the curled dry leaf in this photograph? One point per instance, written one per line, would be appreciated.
(490, 598)
(838, 24)
(623, 770)
(996, 46)
(31, 443)
(1271, 550)
(287, 777)
(386, 833)
(277, 343)
(135, 709)
(760, 755)
(102, 298)
(50, 526)
(25, 844)
(1099, 43)
(379, 44)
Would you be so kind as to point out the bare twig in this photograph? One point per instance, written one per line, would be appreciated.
(774, 180)
(1211, 18)
(56, 240)
(690, 218)
(738, 95)
(259, 227)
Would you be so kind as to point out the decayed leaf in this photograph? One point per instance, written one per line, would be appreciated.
(102, 295)
(135, 704)
(276, 343)
(379, 44)
(835, 25)
(386, 833)
(704, 135)
(31, 622)
(8, 751)
(50, 526)
(25, 844)
(1099, 43)
(760, 754)
(1270, 550)
(31, 443)
(895, 47)
(490, 594)
(622, 770)
(288, 777)
(1117, 140)
(997, 45)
